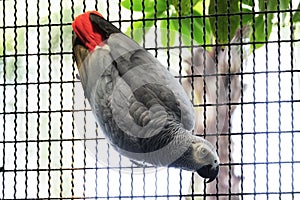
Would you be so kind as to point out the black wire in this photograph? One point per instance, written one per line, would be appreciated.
(241, 106)
(49, 99)
(267, 105)
(254, 105)
(180, 80)
(168, 35)
(26, 100)
(38, 102)
(120, 157)
(204, 73)
(155, 54)
(131, 34)
(279, 97)
(84, 146)
(120, 176)
(4, 101)
(84, 133)
(96, 159)
(217, 85)
(292, 99)
(73, 117)
(61, 103)
(108, 170)
(15, 101)
(167, 48)
(192, 82)
(229, 100)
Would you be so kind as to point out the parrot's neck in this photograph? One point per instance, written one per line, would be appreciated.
(187, 161)
(175, 150)
(176, 141)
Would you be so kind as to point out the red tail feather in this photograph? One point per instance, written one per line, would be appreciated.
(87, 32)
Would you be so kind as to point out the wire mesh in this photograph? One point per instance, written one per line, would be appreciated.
(52, 148)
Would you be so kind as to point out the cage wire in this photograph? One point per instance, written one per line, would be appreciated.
(52, 148)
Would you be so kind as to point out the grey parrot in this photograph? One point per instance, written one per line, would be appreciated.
(141, 108)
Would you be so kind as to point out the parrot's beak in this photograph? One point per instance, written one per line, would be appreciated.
(208, 171)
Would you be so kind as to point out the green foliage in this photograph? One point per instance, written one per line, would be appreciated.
(296, 16)
(169, 30)
(191, 26)
(149, 5)
(14, 43)
(219, 9)
(183, 6)
(141, 27)
(225, 18)
(248, 2)
(263, 22)
(190, 29)
(284, 5)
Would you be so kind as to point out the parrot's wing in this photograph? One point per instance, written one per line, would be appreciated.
(150, 82)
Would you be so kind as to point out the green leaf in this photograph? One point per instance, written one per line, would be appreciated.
(9, 43)
(247, 17)
(200, 8)
(284, 5)
(271, 5)
(184, 6)
(168, 35)
(186, 30)
(261, 32)
(261, 5)
(248, 2)
(148, 6)
(296, 16)
(142, 27)
(197, 32)
(219, 24)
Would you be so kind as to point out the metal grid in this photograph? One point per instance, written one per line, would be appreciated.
(53, 149)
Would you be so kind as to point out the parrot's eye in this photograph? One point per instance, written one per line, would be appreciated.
(203, 152)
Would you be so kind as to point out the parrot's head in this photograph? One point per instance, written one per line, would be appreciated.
(200, 156)
(206, 157)
(90, 30)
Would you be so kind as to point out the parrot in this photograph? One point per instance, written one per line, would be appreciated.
(141, 108)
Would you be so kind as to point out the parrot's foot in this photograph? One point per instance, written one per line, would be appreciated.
(77, 76)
